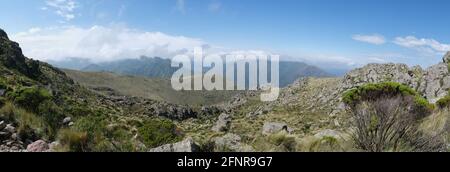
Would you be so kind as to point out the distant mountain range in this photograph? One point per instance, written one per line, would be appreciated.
(161, 68)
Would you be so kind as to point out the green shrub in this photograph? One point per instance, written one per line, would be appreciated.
(52, 115)
(444, 102)
(371, 92)
(30, 97)
(155, 133)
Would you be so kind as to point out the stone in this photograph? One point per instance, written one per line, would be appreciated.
(4, 135)
(52, 147)
(38, 146)
(67, 120)
(274, 127)
(223, 123)
(328, 133)
(187, 145)
(231, 142)
(2, 92)
(9, 128)
(2, 125)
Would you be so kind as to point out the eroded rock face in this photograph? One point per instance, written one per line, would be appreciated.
(188, 145)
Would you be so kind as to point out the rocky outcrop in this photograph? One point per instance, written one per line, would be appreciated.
(433, 83)
(188, 145)
(223, 123)
(447, 57)
(11, 57)
(275, 127)
(9, 140)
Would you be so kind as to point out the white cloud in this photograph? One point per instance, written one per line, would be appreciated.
(423, 44)
(371, 39)
(100, 43)
(62, 8)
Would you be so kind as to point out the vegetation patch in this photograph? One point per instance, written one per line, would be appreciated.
(155, 132)
(444, 102)
(371, 92)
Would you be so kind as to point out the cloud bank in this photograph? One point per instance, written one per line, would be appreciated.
(422, 44)
(99, 43)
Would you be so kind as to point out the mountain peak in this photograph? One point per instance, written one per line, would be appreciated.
(3, 34)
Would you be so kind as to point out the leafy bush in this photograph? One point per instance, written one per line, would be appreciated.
(30, 97)
(95, 127)
(371, 92)
(155, 133)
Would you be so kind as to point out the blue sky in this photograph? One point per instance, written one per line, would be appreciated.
(344, 33)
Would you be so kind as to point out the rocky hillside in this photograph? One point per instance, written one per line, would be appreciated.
(151, 88)
(42, 109)
(40, 105)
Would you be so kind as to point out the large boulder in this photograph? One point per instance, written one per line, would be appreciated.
(223, 123)
(188, 145)
(275, 127)
(38, 146)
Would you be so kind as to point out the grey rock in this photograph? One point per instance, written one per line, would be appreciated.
(38, 146)
(2, 125)
(274, 127)
(67, 120)
(188, 145)
(231, 142)
(223, 123)
(4, 135)
(328, 133)
(52, 147)
(9, 128)
(2, 92)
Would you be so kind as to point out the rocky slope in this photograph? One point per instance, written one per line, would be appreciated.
(62, 98)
